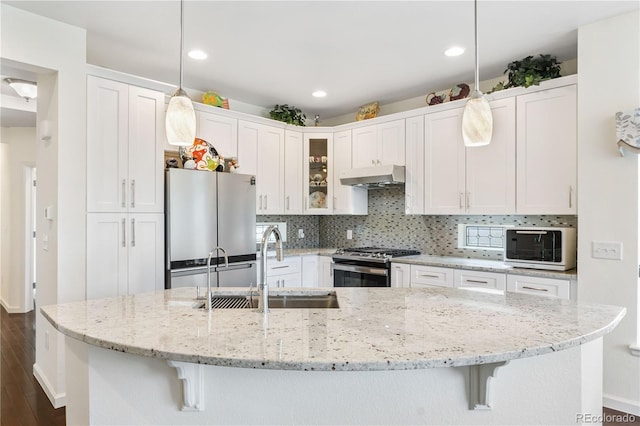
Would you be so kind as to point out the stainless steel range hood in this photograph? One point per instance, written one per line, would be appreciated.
(374, 177)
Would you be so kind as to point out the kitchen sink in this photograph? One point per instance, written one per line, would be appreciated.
(281, 301)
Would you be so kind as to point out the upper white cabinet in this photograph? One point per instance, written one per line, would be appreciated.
(547, 152)
(318, 173)
(346, 199)
(261, 153)
(379, 144)
(459, 180)
(124, 148)
(293, 172)
(219, 131)
(414, 166)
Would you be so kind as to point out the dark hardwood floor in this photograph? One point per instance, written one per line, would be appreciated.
(23, 402)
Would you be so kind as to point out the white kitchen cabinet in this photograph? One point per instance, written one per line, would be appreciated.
(414, 166)
(293, 172)
(325, 277)
(318, 173)
(125, 254)
(125, 160)
(489, 282)
(310, 270)
(346, 199)
(379, 144)
(460, 180)
(431, 276)
(539, 286)
(286, 273)
(219, 131)
(400, 275)
(547, 151)
(261, 153)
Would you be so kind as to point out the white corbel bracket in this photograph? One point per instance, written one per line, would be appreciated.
(480, 389)
(192, 376)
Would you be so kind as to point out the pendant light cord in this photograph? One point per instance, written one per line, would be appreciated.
(475, 26)
(182, 38)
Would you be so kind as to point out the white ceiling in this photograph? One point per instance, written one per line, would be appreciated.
(268, 52)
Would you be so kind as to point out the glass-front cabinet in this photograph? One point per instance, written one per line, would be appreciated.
(318, 173)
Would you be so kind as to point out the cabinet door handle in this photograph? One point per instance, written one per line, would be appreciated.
(288, 203)
(124, 193)
(124, 232)
(460, 197)
(260, 203)
(133, 232)
(476, 281)
(373, 162)
(335, 202)
(570, 196)
(133, 193)
(534, 288)
(378, 162)
(467, 203)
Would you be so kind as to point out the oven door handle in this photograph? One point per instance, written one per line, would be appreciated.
(359, 269)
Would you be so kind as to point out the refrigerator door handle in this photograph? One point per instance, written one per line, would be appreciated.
(233, 267)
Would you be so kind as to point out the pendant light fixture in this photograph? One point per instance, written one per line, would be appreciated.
(181, 117)
(24, 88)
(477, 121)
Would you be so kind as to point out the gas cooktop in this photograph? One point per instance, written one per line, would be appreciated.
(372, 253)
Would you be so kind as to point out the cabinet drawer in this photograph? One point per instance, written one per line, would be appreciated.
(281, 281)
(289, 265)
(489, 282)
(429, 276)
(539, 286)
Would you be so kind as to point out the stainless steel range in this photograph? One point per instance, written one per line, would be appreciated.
(365, 266)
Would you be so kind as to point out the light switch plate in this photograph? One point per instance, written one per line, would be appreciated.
(606, 250)
(349, 234)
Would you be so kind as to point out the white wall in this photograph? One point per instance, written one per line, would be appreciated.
(609, 81)
(60, 49)
(16, 154)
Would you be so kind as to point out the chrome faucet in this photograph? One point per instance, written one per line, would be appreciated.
(263, 287)
(226, 264)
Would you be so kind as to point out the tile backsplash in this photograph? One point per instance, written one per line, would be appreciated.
(386, 225)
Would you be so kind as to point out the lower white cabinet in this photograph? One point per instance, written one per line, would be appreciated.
(325, 274)
(125, 254)
(431, 276)
(400, 275)
(287, 273)
(551, 287)
(310, 270)
(489, 282)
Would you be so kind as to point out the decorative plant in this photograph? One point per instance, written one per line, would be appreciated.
(530, 71)
(288, 114)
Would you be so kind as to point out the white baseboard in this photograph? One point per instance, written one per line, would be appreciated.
(57, 399)
(12, 309)
(621, 404)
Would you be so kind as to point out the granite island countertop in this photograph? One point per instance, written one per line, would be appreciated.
(374, 328)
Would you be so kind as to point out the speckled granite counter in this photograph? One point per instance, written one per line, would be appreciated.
(374, 329)
(483, 265)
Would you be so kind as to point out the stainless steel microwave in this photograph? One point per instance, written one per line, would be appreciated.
(541, 248)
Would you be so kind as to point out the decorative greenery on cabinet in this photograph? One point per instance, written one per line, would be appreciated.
(288, 114)
(530, 71)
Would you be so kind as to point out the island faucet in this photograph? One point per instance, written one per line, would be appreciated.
(263, 287)
(226, 264)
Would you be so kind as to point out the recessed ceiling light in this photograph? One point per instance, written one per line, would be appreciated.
(454, 51)
(319, 94)
(197, 54)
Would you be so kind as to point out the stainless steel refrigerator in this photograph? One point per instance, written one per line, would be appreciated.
(204, 210)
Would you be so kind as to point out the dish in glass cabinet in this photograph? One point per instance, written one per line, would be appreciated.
(317, 200)
(201, 156)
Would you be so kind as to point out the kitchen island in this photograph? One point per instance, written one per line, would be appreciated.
(401, 356)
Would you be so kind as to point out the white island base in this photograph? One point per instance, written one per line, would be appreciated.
(113, 388)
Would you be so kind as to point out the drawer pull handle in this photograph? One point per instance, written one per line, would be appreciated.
(534, 288)
(476, 281)
(428, 276)
(279, 267)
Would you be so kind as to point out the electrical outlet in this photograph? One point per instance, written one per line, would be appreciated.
(300, 233)
(606, 250)
(349, 234)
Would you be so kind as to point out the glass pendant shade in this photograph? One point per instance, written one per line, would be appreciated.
(477, 121)
(181, 120)
(26, 89)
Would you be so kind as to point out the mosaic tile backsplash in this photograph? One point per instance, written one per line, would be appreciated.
(386, 225)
